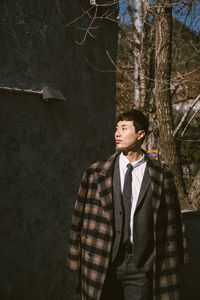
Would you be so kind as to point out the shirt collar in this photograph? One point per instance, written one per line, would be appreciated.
(125, 161)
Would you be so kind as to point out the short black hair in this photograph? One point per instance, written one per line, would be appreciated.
(140, 121)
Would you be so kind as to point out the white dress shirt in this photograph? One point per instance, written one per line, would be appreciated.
(137, 176)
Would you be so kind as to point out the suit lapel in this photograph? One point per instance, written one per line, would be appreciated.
(144, 186)
(116, 180)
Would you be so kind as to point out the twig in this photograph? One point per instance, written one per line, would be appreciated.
(187, 140)
(59, 9)
(107, 4)
(183, 100)
(78, 18)
(117, 68)
(89, 28)
(185, 115)
(190, 120)
(99, 70)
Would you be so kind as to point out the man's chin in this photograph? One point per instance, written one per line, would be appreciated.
(118, 148)
(125, 149)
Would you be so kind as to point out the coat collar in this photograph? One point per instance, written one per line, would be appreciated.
(107, 167)
(105, 185)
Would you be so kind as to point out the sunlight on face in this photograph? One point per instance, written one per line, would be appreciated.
(126, 137)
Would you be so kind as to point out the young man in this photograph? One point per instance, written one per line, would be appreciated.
(126, 240)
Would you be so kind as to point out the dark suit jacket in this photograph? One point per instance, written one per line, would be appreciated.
(142, 222)
(92, 230)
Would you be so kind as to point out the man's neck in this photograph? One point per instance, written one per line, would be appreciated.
(133, 155)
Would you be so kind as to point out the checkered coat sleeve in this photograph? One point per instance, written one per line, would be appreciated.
(91, 232)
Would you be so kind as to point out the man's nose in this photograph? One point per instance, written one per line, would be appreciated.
(117, 133)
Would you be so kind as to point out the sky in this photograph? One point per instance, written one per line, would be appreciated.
(191, 20)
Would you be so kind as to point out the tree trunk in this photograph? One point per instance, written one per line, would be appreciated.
(170, 155)
(138, 22)
(144, 56)
(194, 192)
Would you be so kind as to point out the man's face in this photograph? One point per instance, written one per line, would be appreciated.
(126, 138)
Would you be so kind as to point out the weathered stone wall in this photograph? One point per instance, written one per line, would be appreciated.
(46, 146)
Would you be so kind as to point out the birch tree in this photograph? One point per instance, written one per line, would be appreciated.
(137, 37)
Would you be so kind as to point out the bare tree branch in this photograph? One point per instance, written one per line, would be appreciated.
(185, 115)
(124, 74)
(89, 28)
(97, 69)
(190, 120)
(183, 100)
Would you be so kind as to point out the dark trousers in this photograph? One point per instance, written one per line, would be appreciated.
(124, 282)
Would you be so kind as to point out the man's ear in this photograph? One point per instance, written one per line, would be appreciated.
(141, 134)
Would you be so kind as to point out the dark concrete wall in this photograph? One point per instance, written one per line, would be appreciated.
(191, 271)
(46, 146)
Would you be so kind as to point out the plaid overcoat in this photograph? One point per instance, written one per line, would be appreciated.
(92, 231)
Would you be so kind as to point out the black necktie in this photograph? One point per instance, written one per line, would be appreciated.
(127, 193)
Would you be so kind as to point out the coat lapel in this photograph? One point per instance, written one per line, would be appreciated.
(105, 186)
(156, 178)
